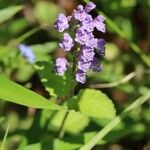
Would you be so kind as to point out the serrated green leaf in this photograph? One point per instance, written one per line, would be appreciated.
(96, 104)
(57, 86)
(8, 12)
(13, 92)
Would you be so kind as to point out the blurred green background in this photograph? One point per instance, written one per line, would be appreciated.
(127, 51)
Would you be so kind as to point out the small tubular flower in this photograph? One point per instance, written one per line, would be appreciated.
(62, 23)
(67, 42)
(88, 23)
(80, 13)
(99, 23)
(81, 76)
(90, 6)
(95, 65)
(61, 66)
(100, 48)
(83, 36)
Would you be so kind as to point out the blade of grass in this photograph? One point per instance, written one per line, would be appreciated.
(14, 43)
(5, 137)
(100, 135)
(122, 34)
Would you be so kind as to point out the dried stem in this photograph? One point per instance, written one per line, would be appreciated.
(114, 84)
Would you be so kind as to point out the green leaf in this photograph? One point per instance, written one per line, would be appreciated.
(12, 92)
(8, 12)
(96, 104)
(57, 86)
(52, 145)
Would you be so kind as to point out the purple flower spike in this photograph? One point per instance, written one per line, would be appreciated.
(90, 6)
(88, 23)
(67, 42)
(95, 65)
(99, 23)
(80, 13)
(26, 51)
(101, 47)
(81, 76)
(86, 45)
(62, 23)
(61, 66)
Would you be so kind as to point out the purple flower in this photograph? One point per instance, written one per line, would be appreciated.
(80, 13)
(61, 66)
(99, 23)
(100, 48)
(69, 18)
(67, 42)
(90, 6)
(92, 42)
(95, 65)
(83, 36)
(62, 23)
(84, 65)
(87, 53)
(88, 23)
(26, 51)
(81, 76)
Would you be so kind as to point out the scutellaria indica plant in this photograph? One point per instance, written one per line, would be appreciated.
(80, 43)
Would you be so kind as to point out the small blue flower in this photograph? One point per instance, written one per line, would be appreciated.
(26, 52)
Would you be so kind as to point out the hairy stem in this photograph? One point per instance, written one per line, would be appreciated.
(73, 69)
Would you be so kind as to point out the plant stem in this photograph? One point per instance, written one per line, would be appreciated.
(61, 131)
(73, 69)
(100, 135)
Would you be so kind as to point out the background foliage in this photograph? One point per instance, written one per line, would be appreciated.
(125, 77)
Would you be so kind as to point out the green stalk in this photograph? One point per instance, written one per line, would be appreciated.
(100, 135)
(73, 69)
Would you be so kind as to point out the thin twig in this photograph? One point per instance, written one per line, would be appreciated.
(114, 84)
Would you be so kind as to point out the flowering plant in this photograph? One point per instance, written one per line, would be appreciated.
(58, 76)
(82, 43)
